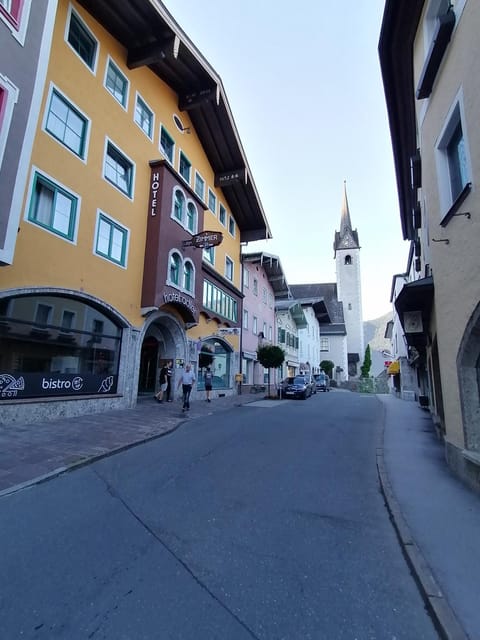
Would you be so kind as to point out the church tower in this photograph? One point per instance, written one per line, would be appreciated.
(346, 249)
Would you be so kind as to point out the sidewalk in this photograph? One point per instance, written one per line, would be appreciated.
(36, 452)
(436, 517)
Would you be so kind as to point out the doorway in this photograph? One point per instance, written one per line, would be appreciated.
(148, 365)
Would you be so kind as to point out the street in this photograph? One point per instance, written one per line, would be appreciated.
(259, 522)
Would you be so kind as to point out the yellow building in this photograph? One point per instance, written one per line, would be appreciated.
(135, 154)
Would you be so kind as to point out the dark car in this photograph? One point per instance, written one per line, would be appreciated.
(297, 387)
(322, 382)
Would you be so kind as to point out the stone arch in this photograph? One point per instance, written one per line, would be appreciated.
(468, 369)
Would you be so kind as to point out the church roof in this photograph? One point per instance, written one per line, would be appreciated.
(345, 226)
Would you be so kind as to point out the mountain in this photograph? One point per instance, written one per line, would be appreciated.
(374, 332)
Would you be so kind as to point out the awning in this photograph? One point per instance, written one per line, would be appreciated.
(414, 308)
(393, 368)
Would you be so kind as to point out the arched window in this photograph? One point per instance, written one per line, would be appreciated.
(179, 205)
(174, 268)
(191, 217)
(348, 259)
(188, 276)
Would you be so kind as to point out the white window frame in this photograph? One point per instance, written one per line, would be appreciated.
(140, 98)
(222, 209)
(161, 148)
(232, 225)
(181, 276)
(17, 24)
(324, 342)
(93, 68)
(75, 196)
(201, 180)
(209, 255)
(11, 97)
(246, 278)
(111, 63)
(245, 319)
(255, 325)
(130, 195)
(229, 261)
(102, 216)
(212, 196)
(181, 155)
(86, 139)
(455, 116)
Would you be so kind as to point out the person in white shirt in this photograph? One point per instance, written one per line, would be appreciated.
(186, 380)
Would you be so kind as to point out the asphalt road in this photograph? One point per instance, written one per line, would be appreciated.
(260, 523)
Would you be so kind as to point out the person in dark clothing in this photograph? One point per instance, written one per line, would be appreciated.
(163, 382)
(208, 377)
(169, 381)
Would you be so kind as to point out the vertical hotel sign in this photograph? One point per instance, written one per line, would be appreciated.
(154, 189)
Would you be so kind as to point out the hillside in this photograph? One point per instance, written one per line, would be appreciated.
(374, 331)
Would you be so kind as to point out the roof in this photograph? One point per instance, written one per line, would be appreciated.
(152, 38)
(345, 225)
(399, 27)
(331, 311)
(273, 269)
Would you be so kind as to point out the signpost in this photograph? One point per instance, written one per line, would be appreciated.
(204, 240)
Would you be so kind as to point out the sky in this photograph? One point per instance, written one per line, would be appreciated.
(304, 85)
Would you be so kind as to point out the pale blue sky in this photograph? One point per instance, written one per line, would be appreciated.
(303, 82)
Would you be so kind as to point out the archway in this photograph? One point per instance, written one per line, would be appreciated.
(468, 367)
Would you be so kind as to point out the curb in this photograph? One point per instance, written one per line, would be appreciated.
(437, 605)
(55, 473)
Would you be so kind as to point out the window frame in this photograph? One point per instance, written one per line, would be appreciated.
(17, 18)
(73, 14)
(222, 213)
(209, 255)
(184, 158)
(85, 138)
(139, 98)
(114, 225)
(212, 197)
(450, 201)
(245, 319)
(199, 178)
(8, 100)
(228, 262)
(231, 226)
(120, 154)
(37, 177)
(112, 65)
(163, 129)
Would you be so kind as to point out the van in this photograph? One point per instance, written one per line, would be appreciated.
(322, 381)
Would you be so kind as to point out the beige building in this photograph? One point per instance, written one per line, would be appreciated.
(431, 73)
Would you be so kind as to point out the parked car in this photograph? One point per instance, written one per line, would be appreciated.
(322, 382)
(298, 387)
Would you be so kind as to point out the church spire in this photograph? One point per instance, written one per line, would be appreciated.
(346, 238)
(346, 223)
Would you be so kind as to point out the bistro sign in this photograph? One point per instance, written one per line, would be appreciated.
(38, 385)
(204, 240)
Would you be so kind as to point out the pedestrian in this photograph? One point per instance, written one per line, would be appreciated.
(169, 380)
(208, 377)
(186, 380)
(163, 381)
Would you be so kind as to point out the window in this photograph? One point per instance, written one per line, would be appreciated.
(453, 162)
(264, 295)
(116, 83)
(264, 330)
(270, 300)
(144, 117)
(324, 344)
(185, 167)
(245, 319)
(174, 269)
(222, 214)
(255, 325)
(228, 268)
(8, 99)
(14, 13)
(246, 278)
(348, 259)
(231, 226)
(66, 124)
(212, 201)
(167, 145)
(179, 205)
(111, 240)
(209, 255)
(118, 170)
(191, 217)
(255, 287)
(52, 207)
(43, 314)
(219, 302)
(68, 318)
(199, 186)
(270, 334)
(188, 276)
(82, 41)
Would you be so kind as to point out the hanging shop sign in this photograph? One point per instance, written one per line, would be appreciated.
(204, 240)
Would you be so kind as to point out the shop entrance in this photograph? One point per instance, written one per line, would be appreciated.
(148, 365)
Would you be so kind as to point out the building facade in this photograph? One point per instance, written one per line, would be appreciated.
(135, 199)
(428, 53)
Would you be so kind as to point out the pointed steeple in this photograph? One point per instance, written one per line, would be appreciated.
(346, 223)
(346, 238)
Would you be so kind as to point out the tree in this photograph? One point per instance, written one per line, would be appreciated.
(367, 363)
(270, 357)
(327, 366)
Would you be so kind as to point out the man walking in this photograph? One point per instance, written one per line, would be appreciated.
(186, 380)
